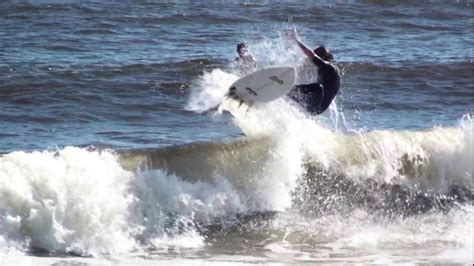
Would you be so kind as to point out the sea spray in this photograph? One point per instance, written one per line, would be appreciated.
(422, 236)
(210, 90)
(432, 160)
(82, 200)
(170, 207)
(73, 200)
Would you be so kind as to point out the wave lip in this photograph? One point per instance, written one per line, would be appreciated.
(101, 203)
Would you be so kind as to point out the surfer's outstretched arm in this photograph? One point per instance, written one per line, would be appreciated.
(306, 50)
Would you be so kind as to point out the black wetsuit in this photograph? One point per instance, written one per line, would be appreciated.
(316, 97)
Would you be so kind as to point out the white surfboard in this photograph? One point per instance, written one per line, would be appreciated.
(263, 85)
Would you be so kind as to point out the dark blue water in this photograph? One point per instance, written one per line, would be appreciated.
(104, 154)
(119, 74)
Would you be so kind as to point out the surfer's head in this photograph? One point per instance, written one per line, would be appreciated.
(324, 53)
(242, 49)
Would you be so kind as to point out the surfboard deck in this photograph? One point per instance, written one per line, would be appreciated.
(264, 85)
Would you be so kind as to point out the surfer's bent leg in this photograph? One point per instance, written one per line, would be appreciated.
(328, 97)
(308, 95)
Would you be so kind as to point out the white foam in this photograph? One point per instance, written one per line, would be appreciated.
(362, 237)
(70, 201)
(209, 90)
(83, 201)
(433, 159)
(162, 196)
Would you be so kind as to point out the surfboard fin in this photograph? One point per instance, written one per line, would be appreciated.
(231, 92)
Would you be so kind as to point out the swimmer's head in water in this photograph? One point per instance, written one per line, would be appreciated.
(242, 48)
(324, 53)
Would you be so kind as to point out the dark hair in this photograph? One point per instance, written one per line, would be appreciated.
(240, 46)
(324, 53)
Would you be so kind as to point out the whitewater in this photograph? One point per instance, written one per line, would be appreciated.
(291, 188)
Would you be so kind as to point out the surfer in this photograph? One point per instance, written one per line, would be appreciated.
(245, 61)
(316, 97)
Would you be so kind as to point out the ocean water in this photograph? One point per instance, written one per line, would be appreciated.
(111, 153)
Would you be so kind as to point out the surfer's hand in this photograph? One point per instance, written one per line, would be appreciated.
(292, 34)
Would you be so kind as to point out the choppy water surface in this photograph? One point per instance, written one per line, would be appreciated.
(108, 150)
